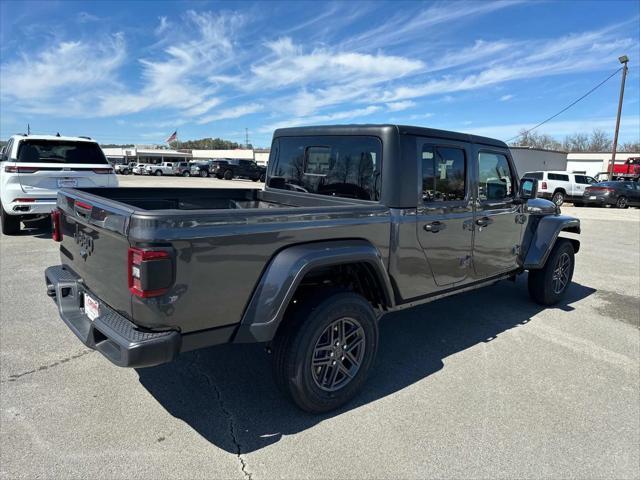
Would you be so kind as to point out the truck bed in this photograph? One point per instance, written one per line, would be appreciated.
(222, 238)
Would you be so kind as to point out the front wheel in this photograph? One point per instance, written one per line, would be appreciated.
(323, 352)
(204, 173)
(548, 285)
(158, 173)
(622, 202)
(228, 175)
(10, 223)
(186, 173)
(262, 178)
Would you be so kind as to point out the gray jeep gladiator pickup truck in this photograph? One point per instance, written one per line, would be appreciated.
(354, 221)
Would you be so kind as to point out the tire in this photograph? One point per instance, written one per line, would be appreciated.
(10, 223)
(228, 175)
(204, 173)
(158, 173)
(255, 179)
(186, 173)
(558, 198)
(622, 202)
(305, 330)
(545, 288)
(262, 178)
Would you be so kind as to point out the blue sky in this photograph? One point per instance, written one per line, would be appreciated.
(136, 71)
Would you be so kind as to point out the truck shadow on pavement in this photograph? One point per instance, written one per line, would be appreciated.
(227, 394)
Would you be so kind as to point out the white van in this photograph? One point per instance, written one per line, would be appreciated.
(34, 167)
(560, 186)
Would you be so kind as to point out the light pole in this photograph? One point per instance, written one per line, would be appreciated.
(623, 60)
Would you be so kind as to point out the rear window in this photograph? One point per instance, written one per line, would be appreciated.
(328, 165)
(536, 175)
(60, 151)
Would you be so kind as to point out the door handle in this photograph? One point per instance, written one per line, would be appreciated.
(484, 222)
(434, 227)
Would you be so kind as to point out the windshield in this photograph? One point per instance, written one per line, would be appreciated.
(60, 151)
(341, 166)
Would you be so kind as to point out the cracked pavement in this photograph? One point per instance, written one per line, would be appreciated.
(484, 384)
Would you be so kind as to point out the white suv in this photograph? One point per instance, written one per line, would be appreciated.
(34, 167)
(560, 186)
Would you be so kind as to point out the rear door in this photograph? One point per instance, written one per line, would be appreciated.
(48, 165)
(581, 182)
(498, 227)
(445, 216)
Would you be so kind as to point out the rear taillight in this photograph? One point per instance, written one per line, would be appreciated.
(10, 169)
(102, 170)
(150, 272)
(543, 186)
(55, 226)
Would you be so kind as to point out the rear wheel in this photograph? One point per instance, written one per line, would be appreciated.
(324, 350)
(549, 284)
(228, 175)
(262, 178)
(622, 202)
(10, 223)
(558, 198)
(158, 173)
(204, 173)
(186, 173)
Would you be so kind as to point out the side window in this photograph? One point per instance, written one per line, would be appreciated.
(6, 154)
(495, 181)
(443, 173)
(582, 179)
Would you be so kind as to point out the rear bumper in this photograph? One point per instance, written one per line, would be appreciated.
(40, 206)
(598, 200)
(118, 339)
(546, 195)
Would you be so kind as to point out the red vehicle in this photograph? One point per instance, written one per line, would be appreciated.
(629, 170)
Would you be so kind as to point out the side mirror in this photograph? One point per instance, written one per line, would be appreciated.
(528, 188)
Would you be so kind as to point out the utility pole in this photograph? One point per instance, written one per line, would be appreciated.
(246, 138)
(623, 60)
(28, 129)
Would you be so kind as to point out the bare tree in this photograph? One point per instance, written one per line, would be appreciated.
(631, 147)
(535, 140)
(578, 142)
(599, 141)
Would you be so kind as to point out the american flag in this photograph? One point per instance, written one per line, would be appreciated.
(172, 137)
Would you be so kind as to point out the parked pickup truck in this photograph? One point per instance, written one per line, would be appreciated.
(354, 222)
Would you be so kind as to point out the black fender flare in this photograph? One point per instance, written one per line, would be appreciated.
(286, 270)
(544, 236)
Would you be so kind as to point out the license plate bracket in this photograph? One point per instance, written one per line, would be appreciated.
(67, 182)
(91, 307)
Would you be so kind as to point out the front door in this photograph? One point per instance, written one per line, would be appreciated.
(445, 216)
(498, 222)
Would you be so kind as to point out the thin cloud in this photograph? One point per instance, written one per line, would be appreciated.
(399, 106)
(506, 98)
(234, 112)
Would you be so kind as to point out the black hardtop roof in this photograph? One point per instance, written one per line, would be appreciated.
(378, 129)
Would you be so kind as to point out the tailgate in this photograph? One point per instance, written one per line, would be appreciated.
(95, 245)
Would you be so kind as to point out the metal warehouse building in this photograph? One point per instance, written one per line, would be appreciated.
(529, 159)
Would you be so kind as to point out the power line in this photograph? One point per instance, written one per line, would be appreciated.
(567, 107)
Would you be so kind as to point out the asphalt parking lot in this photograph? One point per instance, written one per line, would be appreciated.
(480, 385)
